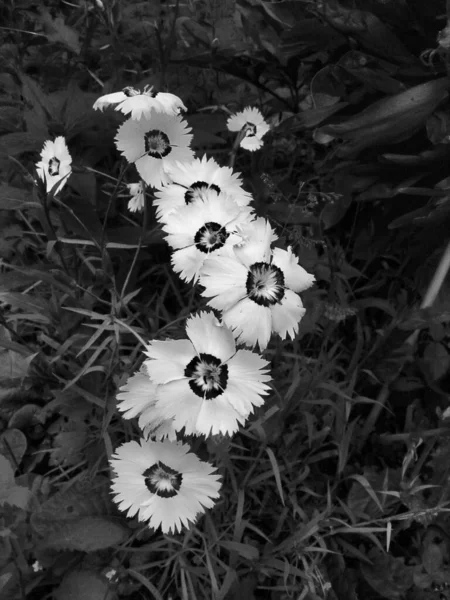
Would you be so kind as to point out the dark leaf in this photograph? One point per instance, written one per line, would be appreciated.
(12, 198)
(13, 445)
(390, 119)
(83, 585)
(311, 118)
(436, 360)
(387, 575)
(308, 36)
(367, 29)
(87, 534)
(14, 144)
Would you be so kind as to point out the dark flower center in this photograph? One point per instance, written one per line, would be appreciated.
(250, 129)
(265, 284)
(53, 166)
(208, 377)
(162, 480)
(199, 186)
(210, 237)
(157, 144)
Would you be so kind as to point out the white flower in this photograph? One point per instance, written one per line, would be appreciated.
(189, 179)
(204, 384)
(36, 566)
(111, 574)
(154, 144)
(252, 126)
(163, 483)
(141, 104)
(255, 287)
(202, 229)
(137, 200)
(138, 397)
(55, 166)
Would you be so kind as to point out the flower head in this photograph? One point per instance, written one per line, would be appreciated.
(154, 144)
(141, 104)
(203, 229)
(137, 200)
(252, 126)
(138, 397)
(55, 165)
(204, 384)
(256, 287)
(190, 179)
(163, 483)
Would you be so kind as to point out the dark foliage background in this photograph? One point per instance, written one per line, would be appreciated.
(338, 488)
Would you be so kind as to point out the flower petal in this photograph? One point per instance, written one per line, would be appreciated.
(209, 336)
(287, 314)
(250, 322)
(296, 277)
(168, 359)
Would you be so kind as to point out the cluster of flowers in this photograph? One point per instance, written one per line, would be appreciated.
(202, 385)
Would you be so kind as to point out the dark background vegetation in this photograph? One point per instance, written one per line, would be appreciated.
(338, 488)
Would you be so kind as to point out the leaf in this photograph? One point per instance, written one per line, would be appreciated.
(390, 119)
(83, 585)
(12, 198)
(311, 117)
(13, 365)
(10, 493)
(436, 359)
(81, 500)
(39, 309)
(367, 29)
(34, 95)
(57, 31)
(14, 144)
(247, 551)
(85, 184)
(87, 534)
(4, 578)
(68, 446)
(13, 280)
(309, 36)
(438, 127)
(13, 445)
(387, 575)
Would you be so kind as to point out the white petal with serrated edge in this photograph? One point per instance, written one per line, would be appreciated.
(287, 315)
(296, 278)
(168, 359)
(137, 394)
(209, 336)
(224, 279)
(250, 322)
(257, 237)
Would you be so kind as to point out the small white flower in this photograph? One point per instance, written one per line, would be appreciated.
(252, 126)
(203, 229)
(204, 384)
(137, 200)
(110, 574)
(163, 483)
(141, 104)
(55, 165)
(256, 287)
(36, 566)
(155, 144)
(138, 397)
(190, 179)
